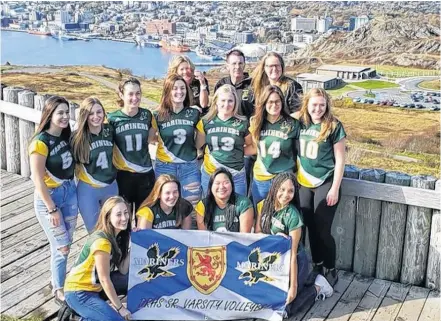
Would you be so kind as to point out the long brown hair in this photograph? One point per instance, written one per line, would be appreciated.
(329, 122)
(120, 243)
(270, 204)
(48, 110)
(154, 196)
(259, 117)
(81, 137)
(166, 105)
(121, 87)
(224, 89)
(260, 79)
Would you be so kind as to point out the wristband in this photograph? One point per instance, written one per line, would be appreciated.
(52, 210)
(204, 87)
(117, 309)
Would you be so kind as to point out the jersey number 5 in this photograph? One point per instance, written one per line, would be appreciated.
(66, 158)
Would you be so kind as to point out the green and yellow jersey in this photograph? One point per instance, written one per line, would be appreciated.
(83, 276)
(100, 171)
(219, 220)
(176, 136)
(131, 148)
(283, 221)
(225, 143)
(276, 149)
(161, 220)
(316, 160)
(59, 161)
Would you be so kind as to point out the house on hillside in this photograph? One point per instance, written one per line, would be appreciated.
(309, 81)
(347, 72)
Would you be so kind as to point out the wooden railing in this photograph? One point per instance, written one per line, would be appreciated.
(388, 224)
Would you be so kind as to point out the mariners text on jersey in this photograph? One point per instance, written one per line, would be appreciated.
(130, 126)
(275, 133)
(100, 143)
(310, 132)
(175, 122)
(232, 131)
(58, 147)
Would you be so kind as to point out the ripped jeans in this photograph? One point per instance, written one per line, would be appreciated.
(188, 174)
(65, 198)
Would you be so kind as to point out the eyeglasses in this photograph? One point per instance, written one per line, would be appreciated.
(273, 66)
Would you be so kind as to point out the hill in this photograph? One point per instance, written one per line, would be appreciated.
(408, 42)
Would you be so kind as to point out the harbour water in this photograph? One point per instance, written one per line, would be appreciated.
(20, 48)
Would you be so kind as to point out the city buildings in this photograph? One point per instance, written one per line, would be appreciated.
(160, 27)
(357, 22)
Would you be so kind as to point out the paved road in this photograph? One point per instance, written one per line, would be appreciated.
(412, 83)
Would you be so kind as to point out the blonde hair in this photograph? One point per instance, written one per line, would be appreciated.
(120, 244)
(81, 137)
(224, 89)
(329, 122)
(154, 196)
(176, 61)
(260, 78)
(166, 104)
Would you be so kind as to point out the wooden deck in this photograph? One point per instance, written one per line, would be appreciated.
(25, 274)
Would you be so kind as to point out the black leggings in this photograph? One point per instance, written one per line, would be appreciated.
(318, 217)
(135, 187)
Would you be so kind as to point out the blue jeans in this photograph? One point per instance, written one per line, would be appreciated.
(188, 175)
(92, 306)
(240, 182)
(259, 190)
(305, 295)
(90, 200)
(65, 198)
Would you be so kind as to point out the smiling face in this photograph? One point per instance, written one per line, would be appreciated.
(169, 194)
(316, 108)
(225, 104)
(131, 95)
(222, 188)
(178, 92)
(60, 117)
(236, 65)
(184, 70)
(119, 217)
(273, 68)
(273, 105)
(96, 116)
(285, 193)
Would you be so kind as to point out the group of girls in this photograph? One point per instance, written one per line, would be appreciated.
(112, 157)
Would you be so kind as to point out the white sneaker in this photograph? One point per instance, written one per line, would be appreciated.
(326, 289)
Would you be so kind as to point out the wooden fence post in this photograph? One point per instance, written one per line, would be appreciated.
(10, 94)
(343, 227)
(433, 278)
(416, 242)
(2, 134)
(72, 110)
(392, 229)
(39, 101)
(27, 130)
(367, 225)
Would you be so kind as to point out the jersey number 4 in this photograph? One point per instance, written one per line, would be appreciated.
(102, 161)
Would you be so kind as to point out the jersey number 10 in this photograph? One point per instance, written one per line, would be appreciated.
(308, 149)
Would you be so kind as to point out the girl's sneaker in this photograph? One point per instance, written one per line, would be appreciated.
(326, 289)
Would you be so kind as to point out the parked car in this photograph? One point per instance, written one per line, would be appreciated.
(390, 103)
(411, 105)
(419, 106)
(436, 101)
(434, 108)
(363, 101)
(356, 100)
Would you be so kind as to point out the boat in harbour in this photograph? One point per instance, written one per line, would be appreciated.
(145, 42)
(206, 53)
(43, 31)
(174, 45)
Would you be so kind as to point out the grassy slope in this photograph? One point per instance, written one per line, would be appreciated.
(430, 84)
(391, 131)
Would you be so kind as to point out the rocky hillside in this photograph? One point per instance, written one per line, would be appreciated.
(399, 41)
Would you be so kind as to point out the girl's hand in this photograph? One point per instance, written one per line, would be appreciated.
(135, 229)
(55, 218)
(292, 293)
(332, 197)
(125, 313)
(283, 234)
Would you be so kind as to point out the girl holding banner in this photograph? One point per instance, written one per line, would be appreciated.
(223, 209)
(106, 248)
(164, 208)
(277, 214)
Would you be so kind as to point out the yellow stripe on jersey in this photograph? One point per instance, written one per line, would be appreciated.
(211, 164)
(124, 165)
(37, 146)
(260, 207)
(164, 155)
(259, 171)
(200, 209)
(82, 276)
(306, 179)
(82, 174)
(200, 126)
(146, 212)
